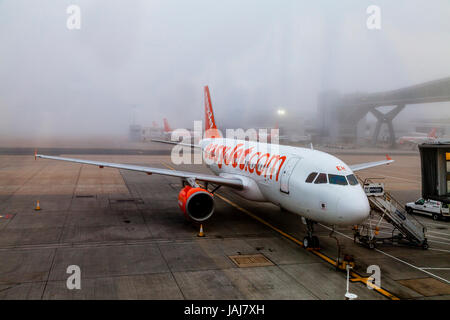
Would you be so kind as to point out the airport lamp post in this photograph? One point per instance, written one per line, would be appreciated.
(349, 295)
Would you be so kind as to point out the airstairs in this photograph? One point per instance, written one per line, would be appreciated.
(407, 229)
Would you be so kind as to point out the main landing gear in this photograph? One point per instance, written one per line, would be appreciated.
(310, 241)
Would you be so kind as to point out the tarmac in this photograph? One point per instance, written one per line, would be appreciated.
(130, 240)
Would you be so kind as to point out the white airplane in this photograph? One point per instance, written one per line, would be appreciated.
(310, 183)
(168, 132)
(419, 138)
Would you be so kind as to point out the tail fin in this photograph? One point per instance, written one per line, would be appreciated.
(432, 133)
(166, 125)
(210, 124)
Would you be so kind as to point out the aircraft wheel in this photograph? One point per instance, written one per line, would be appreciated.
(435, 217)
(371, 245)
(306, 242)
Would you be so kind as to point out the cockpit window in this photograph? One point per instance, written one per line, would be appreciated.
(337, 179)
(321, 178)
(311, 177)
(352, 179)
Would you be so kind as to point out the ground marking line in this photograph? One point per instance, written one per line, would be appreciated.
(441, 233)
(435, 241)
(398, 178)
(395, 258)
(439, 249)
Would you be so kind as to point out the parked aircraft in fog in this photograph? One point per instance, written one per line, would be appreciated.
(310, 183)
(418, 139)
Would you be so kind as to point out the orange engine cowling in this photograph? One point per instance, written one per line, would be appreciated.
(196, 203)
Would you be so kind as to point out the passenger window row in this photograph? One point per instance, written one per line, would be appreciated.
(319, 178)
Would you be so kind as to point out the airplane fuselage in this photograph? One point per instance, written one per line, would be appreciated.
(279, 174)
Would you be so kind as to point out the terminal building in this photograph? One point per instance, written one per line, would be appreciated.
(435, 163)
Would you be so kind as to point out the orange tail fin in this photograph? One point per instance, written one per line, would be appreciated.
(166, 125)
(432, 133)
(210, 124)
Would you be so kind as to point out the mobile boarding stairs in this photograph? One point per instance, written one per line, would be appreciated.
(407, 229)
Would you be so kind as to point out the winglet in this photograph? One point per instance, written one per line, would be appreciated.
(387, 157)
(35, 154)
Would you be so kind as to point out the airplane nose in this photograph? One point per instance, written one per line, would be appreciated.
(353, 210)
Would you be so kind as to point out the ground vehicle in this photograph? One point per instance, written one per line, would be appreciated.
(433, 208)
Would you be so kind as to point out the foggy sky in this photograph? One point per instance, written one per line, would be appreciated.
(151, 59)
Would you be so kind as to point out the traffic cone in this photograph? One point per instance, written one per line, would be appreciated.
(201, 233)
(38, 207)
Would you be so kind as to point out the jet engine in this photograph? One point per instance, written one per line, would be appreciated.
(196, 203)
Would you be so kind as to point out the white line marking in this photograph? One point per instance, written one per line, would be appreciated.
(439, 249)
(430, 236)
(442, 233)
(428, 268)
(413, 181)
(428, 231)
(448, 243)
(425, 222)
(413, 266)
(395, 258)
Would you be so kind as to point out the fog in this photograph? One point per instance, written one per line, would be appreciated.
(146, 60)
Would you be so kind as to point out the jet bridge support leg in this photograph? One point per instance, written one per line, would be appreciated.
(386, 118)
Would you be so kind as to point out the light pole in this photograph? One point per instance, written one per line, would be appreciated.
(349, 295)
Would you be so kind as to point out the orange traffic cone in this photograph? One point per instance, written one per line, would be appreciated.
(37, 206)
(201, 233)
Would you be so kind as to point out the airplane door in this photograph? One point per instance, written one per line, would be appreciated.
(286, 174)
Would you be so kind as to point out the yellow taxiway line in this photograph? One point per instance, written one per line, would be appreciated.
(355, 276)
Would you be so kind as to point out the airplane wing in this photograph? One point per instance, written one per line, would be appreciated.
(362, 166)
(234, 183)
(176, 143)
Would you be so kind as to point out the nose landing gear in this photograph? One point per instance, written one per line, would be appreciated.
(310, 241)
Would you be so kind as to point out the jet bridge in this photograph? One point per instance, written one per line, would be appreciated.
(339, 114)
(407, 229)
